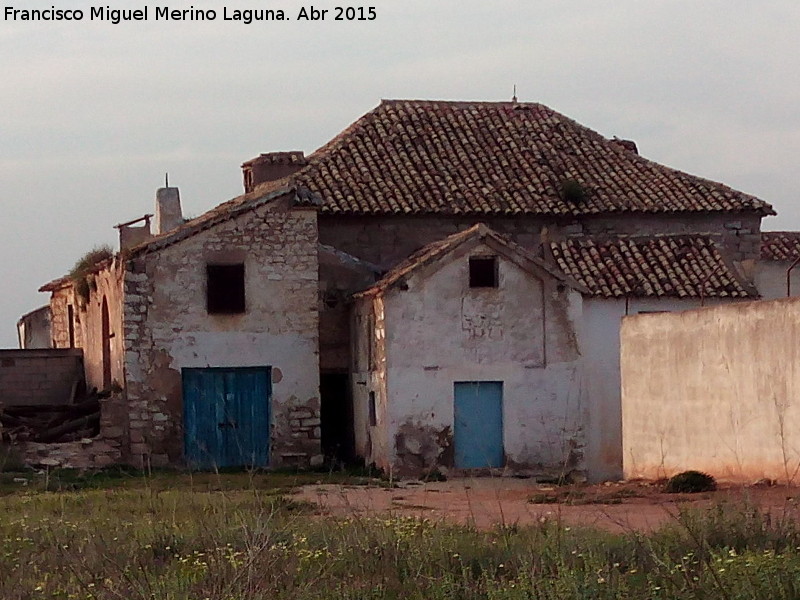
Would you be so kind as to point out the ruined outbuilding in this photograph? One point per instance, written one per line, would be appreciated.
(435, 258)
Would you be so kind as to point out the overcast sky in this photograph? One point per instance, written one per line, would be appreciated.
(93, 114)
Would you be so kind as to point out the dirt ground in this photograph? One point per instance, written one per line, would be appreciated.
(486, 502)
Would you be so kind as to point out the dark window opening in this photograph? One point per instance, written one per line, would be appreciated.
(483, 272)
(225, 289)
(373, 412)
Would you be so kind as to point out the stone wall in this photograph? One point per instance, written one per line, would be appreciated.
(167, 328)
(386, 240)
(107, 448)
(35, 377)
(63, 303)
(714, 389)
(87, 323)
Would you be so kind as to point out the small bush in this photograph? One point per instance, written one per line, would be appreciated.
(572, 191)
(690, 482)
(81, 272)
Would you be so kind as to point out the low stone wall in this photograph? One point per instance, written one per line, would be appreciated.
(110, 447)
(35, 377)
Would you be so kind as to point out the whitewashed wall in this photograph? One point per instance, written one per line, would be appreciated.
(440, 331)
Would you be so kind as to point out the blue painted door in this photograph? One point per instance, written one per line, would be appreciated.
(478, 430)
(226, 416)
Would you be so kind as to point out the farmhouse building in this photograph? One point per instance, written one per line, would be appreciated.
(439, 286)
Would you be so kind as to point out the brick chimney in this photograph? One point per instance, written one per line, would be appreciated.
(271, 167)
(168, 209)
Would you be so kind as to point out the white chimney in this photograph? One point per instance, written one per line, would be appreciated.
(168, 209)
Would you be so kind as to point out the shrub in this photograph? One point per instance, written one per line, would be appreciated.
(81, 272)
(572, 191)
(690, 482)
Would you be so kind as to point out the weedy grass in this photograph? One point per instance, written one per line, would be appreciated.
(234, 536)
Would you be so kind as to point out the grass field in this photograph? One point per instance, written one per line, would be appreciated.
(235, 536)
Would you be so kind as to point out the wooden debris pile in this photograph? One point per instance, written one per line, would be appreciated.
(50, 423)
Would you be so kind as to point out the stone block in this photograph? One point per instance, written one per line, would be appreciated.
(112, 432)
(104, 460)
(140, 448)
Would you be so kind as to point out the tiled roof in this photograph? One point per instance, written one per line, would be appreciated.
(489, 158)
(780, 245)
(480, 232)
(682, 266)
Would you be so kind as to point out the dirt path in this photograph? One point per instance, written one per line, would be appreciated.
(485, 502)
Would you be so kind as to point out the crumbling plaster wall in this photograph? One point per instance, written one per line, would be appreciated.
(369, 377)
(714, 389)
(107, 284)
(524, 333)
(168, 328)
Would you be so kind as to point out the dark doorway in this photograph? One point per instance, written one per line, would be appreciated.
(338, 437)
(106, 349)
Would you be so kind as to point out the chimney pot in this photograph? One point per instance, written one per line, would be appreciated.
(168, 209)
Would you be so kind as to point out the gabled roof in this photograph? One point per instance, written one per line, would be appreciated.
(681, 266)
(439, 250)
(225, 211)
(780, 245)
(497, 158)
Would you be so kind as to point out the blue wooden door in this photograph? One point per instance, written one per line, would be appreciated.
(478, 430)
(226, 417)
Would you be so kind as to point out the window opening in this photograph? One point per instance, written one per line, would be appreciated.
(483, 272)
(225, 293)
(373, 413)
